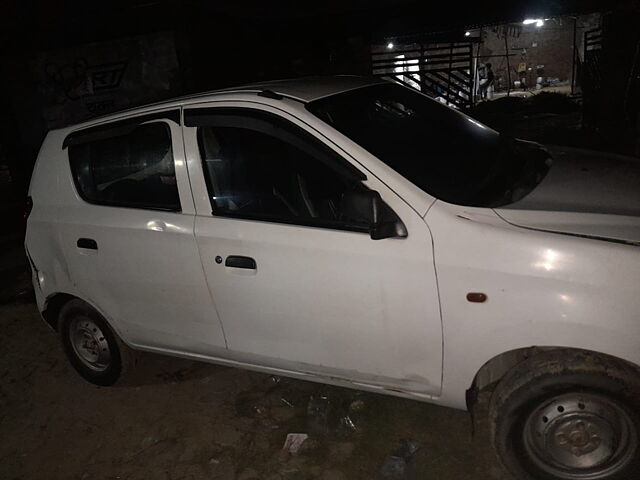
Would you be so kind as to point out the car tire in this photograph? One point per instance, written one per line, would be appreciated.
(568, 415)
(92, 347)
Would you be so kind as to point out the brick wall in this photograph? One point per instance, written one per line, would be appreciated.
(545, 51)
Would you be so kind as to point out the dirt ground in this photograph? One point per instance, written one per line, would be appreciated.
(174, 419)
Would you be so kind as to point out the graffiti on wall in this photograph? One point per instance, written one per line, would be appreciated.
(78, 80)
(96, 79)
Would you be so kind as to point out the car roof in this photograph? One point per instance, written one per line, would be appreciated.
(304, 89)
(308, 89)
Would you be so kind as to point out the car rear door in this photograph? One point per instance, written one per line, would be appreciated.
(127, 231)
(295, 288)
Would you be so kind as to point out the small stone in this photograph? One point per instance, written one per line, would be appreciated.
(394, 467)
(227, 435)
(356, 405)
(283, 414)
(309, 445)
(223, 469)
(268, 424)
(261, 444)
(187, 471)
(340, 451)
(281, 456)
(496, 473)
(290, 473)
(207, 398)
(333, 475)
(248, 474)
(187, 456)
(147, 442)
(298, 463)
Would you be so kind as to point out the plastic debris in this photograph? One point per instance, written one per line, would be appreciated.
(293, 442)
(347, 424)
(352, 416)
(395, 465)
(318, 414)
(286, 402)
(334, 415)
(251, 404)
(357, 405)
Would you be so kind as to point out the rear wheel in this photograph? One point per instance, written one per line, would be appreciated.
(91, 346)
(568, 416)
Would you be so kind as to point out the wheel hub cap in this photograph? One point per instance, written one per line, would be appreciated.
(580, 436)
(90, 344)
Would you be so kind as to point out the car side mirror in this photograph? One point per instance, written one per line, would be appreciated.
(367, 208)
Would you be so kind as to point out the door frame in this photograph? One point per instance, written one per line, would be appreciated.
(415, 202)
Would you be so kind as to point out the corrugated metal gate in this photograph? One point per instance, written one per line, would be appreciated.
(440, 70)
(592, 58)
(591, 80)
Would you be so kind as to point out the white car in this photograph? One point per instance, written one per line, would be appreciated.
(351, 231)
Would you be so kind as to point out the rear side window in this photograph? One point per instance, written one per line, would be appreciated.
(132, 169)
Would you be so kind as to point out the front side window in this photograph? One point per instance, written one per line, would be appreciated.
(259, 166)
(132, 169)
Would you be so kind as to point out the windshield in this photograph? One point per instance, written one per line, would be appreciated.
(444, 152)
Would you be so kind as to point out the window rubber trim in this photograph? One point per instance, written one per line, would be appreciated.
(301, 222)
(117, 128)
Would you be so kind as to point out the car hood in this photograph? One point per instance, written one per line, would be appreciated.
(585, 193)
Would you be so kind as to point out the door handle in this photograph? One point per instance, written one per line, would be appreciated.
(88, 243)
(237, 261)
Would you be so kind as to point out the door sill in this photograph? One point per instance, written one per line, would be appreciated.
(308, 376)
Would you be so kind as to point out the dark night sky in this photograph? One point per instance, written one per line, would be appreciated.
(44, 25)
(222, 43)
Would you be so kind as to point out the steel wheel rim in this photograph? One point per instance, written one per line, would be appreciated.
(89, 344)
(579, 436)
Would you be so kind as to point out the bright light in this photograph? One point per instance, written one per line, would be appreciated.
(390, 45)
(538, 21)
(477, 124)
(467, 34)
(548, 260)
(566, 298)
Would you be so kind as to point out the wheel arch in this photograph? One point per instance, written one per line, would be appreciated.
(53, 305)
(497, 367)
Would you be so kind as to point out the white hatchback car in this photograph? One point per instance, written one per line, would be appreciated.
(352, 231)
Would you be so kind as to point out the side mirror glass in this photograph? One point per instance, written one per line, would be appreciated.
(367, 208)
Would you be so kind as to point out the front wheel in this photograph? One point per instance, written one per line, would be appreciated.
(568, 416)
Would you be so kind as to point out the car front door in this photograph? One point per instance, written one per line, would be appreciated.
(295, 286)
(128, 234)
